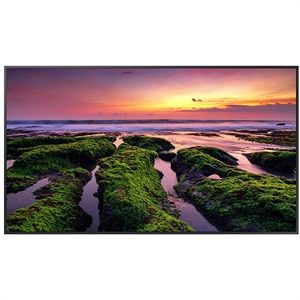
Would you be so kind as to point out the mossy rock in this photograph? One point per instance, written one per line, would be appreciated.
(199, 162)
(284, 161)
(282, 138)
(151, 143)
(240, 201)
(45, 159)
(18, 146)
(57, 209)
(219, 154)
(131, 196)
(207, 134)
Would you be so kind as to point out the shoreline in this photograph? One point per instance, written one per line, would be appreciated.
(227, 141)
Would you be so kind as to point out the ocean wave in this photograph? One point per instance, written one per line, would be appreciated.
(153, 126)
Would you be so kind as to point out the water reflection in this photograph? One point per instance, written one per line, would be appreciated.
(245, 164)
(9, 163)
(89, 203)
(188, 212)
(24, 198)
(118, 141)
(214, 176)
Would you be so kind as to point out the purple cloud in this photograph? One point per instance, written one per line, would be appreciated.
(269, 108)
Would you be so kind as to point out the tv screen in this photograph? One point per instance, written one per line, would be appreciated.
(151, 150)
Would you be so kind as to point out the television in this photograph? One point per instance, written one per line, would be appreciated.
(151, 149)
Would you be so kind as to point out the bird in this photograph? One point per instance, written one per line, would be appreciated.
(197, 100)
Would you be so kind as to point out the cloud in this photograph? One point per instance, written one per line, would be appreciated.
(268, 108)
(197, 100)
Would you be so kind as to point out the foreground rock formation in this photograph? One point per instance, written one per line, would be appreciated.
(240, 201)
(131, 196)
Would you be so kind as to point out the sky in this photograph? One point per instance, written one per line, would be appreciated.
(120, 93)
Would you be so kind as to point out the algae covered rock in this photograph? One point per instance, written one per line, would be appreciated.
(240, 201)
(151, 143)
(44, 159)
(131, 196)
(57, 209)
(284, 161)
(282, 138)
(197, 162)
(20, 145)
(219, 154)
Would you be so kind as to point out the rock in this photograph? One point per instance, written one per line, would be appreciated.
(160, 174)
(241, 201)
(284, 161)
(167, 156)
(131, 196)
(150, 143)
(208, 134)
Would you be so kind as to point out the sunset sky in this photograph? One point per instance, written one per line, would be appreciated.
(243, 94)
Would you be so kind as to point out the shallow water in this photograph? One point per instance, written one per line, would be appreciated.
(118, 141)
(24, 198)
(9, 163)
(89, 203)
(226, 142)
(214, 176)
(188, 212)
(190, 215)
(245, 164)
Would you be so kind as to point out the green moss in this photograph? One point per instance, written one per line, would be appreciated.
(18, 182)
(197, 159)
(18, 146)
(131, 195)
(218, 154)
(284, 161)
(150, 143)
(44, 159)
(57, 209)
(240, 201)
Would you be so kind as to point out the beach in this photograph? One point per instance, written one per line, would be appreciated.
(235, 139)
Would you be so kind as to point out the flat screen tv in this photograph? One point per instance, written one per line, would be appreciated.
(140, 149)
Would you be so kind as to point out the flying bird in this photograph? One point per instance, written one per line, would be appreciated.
(197, 100)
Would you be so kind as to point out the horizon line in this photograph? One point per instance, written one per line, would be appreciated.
(146, 120)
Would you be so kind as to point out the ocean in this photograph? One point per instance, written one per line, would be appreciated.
(148, 125)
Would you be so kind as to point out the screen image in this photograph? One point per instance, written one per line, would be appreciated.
(202, 150)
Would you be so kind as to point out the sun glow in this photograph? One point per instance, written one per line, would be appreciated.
(147, 93)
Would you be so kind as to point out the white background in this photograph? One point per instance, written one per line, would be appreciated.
(148, 33)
